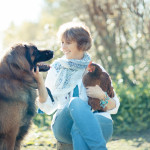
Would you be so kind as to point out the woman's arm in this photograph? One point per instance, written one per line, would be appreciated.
(42, 92)
(97, 92)
(111, 104)
(44, 101)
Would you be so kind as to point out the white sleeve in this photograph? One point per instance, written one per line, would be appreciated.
(48, 106)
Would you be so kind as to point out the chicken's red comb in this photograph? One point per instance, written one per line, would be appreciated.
(89, 63)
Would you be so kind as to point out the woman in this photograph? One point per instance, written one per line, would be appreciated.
(74, 122)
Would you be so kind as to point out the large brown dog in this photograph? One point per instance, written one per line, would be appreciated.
(18, 93)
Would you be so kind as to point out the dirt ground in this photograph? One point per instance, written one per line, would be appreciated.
(43, 139)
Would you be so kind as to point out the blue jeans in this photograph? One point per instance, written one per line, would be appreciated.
(78, 125)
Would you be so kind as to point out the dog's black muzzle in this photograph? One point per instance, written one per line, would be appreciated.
(42, 56)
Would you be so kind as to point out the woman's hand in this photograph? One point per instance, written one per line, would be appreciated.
(42, 96)
(95, 92)
(37, 75)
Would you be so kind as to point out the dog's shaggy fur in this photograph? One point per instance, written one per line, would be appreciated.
(18, 93)
(96, 76)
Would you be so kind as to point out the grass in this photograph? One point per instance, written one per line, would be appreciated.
(43, 139)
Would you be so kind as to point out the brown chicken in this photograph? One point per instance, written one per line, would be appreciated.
(95, 76)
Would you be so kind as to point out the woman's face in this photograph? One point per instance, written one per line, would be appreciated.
(70, 49)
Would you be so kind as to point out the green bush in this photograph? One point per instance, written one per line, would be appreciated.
(134, 111)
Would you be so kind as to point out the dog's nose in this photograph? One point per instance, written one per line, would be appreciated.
(49, 53)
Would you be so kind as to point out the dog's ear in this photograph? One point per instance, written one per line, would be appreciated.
(27, 52)
(28, 57)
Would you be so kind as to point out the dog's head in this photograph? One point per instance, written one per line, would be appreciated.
(34, 56)
(19, 61)
(26, 57)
